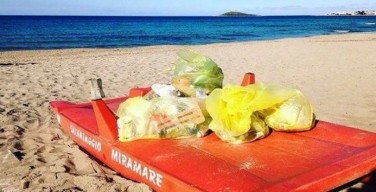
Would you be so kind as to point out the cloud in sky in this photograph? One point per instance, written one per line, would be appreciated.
(175, 7)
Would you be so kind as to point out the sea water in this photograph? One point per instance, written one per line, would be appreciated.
(56, 32)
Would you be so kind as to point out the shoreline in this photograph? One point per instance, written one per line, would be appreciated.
(203, 44)
(335, 72)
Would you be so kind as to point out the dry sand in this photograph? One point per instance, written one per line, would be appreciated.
(337, 73)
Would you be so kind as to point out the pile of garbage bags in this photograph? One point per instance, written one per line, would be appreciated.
(240, 114)
(195, 102)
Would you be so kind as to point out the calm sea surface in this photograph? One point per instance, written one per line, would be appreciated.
(50, 32)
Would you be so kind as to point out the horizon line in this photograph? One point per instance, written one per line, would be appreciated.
(158, 15)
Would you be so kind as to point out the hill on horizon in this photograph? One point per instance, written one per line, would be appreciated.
(237, 14)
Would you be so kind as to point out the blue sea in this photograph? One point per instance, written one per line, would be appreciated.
(56, 32)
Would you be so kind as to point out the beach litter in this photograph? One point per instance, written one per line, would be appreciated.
(194, 71)
(161, 117)
(195, 102)
(244, 113)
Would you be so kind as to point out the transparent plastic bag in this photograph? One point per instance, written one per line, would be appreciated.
(257, 130)
(161, 117)
(295, 114)
(238, 112)
(232, 110)
(194, 71)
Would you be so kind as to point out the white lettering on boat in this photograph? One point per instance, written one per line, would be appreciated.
(136, 167)
(86, 139)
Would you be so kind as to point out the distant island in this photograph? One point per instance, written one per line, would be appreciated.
(353, 13)
(237, 14)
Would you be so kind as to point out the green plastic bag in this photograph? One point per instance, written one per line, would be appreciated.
(161, 117)
(239, 113)
(194, 71)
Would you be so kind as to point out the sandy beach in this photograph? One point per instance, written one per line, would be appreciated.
(336, 72)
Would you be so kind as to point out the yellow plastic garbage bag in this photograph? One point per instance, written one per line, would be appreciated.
(194, 71)
(295, 114)
(238, 112)
(161, 117)
(232, 110)
(257, 130)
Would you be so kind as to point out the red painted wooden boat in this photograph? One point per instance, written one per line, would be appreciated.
(324, 158)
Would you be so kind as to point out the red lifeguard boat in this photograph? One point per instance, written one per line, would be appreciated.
(324, 158)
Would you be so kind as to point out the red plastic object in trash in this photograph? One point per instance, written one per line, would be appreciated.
(324, 158)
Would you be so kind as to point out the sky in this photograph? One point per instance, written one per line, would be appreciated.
(179, 7)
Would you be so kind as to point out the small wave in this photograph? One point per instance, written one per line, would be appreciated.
(240, 35)
(370, 23)
(341, 31)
